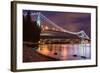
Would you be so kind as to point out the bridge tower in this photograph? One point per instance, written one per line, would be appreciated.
(38, 19)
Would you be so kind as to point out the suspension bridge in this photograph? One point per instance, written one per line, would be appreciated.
(47, 26)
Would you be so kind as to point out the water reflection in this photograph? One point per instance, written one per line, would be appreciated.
(66, 51)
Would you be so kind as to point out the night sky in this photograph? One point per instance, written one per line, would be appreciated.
(70, 21)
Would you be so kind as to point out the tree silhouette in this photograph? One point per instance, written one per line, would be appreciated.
(31, 30)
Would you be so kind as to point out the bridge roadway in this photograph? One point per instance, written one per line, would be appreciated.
(58, 34)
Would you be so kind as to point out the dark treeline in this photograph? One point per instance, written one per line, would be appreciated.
(31, 31)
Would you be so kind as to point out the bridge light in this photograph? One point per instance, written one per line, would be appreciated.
(46, 27)
(53, 29)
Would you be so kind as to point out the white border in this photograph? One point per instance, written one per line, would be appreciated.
(21, 65)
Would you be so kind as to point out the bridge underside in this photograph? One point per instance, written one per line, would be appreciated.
(58, 38)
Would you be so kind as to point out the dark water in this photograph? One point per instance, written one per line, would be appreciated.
(66, 51)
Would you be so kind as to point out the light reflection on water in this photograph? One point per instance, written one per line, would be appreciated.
(65, 51)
